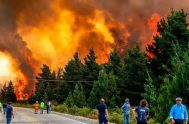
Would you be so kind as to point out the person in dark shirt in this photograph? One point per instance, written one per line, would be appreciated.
(102, 112)
(9, 113)
(142, 112)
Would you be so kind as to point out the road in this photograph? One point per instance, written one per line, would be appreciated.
(27, 116)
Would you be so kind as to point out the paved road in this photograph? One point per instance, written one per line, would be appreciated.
(27, 116)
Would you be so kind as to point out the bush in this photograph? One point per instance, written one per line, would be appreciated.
(61, 108)
(84, 111)
(74, 110)
(116, 118)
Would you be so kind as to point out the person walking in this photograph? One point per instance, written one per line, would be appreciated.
(126, 112)
(42, 106)
(36, 107)
(142, 112)
(102, 112)
(9, 113)
(178, 113)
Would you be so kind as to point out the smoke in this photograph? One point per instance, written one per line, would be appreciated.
(50, 31)
(13, 45)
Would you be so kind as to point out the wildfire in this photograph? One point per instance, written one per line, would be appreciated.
(9, 71)
(152, 24)
(51, 31)
(22, 82)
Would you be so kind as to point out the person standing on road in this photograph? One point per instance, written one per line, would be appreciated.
(36, 107)
(49, 107)
(102, 112)
(126, 112)
(9, 113)
(142, 112)
(178, 113)
(42, 106)
(4, 108)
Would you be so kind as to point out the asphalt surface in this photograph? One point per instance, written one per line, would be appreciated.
(27, 116)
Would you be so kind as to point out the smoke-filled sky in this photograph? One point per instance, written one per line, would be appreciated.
(34, 32)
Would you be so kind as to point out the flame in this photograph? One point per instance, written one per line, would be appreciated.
(20, 87)
(60, 37)
(152, 24)
(10, 71)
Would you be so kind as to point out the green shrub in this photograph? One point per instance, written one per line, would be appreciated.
(74, 110)
(62, 108)
(116, 118)
(84, 111)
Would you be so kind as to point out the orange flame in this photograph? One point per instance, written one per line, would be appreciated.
(152, 24)
(21, 85)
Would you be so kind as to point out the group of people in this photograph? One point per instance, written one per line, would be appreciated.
(41, 107)
(178, 112)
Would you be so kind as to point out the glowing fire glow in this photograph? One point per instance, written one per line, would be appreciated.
(152, 23)
(9, 71)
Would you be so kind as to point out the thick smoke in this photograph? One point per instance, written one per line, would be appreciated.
(11, 43)
(126, 20)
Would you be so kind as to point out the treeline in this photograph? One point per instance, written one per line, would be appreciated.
(83, 84)
(159, 78)
(7, 93)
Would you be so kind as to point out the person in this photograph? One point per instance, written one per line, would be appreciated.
(126, 112)
(42, 106)
(102, 112)
(49, 105)
(142, 112)
(36, 107)
(1, 107)
(9, 113)
(178, 113)
(4, 108)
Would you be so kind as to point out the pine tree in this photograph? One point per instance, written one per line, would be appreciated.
(170, 31)
(163, 98)
(4, 93)
(69, 100)
(72, 73)
(105, 88)
(10, 94)
(40, 91)
(46, 83)
(90, 71)
(135, 74)
(51, 86)
(77, 97)
(115, 66)
(59, 93)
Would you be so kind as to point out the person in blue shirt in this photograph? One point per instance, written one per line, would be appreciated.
(142, 112)
(126, 112)
(178, 113)
(102, 112)
(9, 113)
